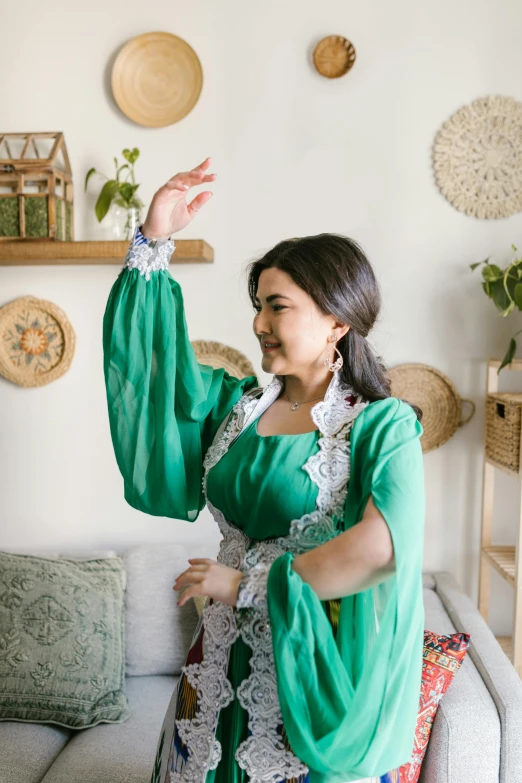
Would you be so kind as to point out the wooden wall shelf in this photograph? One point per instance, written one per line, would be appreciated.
(41, 252)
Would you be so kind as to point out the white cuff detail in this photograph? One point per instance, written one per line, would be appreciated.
(253, 587)
(148, 255)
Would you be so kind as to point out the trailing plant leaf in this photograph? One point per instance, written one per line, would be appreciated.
(89, 173)
(131, 155)
(492, 272)
(123, 193)
(498, 294)
(478, 263)
(105, 198)
(127, 191)
(517, 294)
(504, 288)
(509, 309)
(508, 358)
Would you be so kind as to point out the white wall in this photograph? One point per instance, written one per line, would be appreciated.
(296, 154)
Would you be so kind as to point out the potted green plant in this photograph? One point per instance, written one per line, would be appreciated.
(504, 287)
(120, 191)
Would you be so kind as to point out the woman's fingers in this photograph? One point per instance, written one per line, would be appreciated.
(185, 179)
(201, 560)
(189, 573)
(206, 163)
(196, 203)
(191, 579)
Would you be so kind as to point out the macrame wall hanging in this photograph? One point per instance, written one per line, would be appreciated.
(477, 158)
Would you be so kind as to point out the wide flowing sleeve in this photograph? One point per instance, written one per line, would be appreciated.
(350, 698)
(164, 407)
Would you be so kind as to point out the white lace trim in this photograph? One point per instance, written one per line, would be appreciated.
(262, 755)
(252, 587)
(147, 259)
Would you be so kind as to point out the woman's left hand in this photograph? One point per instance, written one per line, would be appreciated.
(208, 577)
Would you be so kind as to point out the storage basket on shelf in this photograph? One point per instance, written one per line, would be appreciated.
(503, 420)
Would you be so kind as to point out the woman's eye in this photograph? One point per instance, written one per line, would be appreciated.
(281, 307)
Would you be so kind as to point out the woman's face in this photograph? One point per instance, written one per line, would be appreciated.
(288, 316)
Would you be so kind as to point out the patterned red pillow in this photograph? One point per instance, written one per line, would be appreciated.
(441, 659)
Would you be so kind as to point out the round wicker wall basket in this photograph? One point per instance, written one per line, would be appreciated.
(37, 342)
(438, 398)
(157, 79)
(334, 56)
(220, 355)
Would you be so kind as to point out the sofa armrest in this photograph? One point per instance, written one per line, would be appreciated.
(497, 672)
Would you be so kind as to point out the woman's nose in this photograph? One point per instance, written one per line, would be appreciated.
(261, 325)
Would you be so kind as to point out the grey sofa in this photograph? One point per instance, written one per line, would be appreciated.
(477, 733)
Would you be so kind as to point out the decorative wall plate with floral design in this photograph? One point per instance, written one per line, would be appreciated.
(37, 342)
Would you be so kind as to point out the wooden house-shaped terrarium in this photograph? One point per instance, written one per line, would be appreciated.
(36, 190)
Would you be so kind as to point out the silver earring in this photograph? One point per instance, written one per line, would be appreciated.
(337, 365)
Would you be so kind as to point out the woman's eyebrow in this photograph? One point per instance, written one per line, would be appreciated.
(274, 296)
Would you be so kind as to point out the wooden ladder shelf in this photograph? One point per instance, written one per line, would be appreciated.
(504, 559)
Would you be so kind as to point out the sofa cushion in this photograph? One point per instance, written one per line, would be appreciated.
(119, 752)
(442, 658)
(158, 631)
(465, 738)
(27, 750)
(62, 652)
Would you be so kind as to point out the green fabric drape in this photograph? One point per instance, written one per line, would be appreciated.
(350, 702)
(164, 407)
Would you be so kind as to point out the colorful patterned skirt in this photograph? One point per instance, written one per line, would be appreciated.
(172, 763)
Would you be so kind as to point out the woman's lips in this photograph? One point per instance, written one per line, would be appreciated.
(268, 350)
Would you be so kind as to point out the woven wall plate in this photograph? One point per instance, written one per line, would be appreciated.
(221, 355)
(436, 394)
(37, 342)
(157, 79)
(477, 158)
(334, 56)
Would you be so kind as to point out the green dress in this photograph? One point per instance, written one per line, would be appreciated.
(283, 686)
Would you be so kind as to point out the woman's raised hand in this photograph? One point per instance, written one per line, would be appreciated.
(169, 212)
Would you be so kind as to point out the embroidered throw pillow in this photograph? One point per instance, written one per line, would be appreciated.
(442, 658)
(62, 643)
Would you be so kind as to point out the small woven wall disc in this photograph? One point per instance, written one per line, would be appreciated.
(436, 395)
(157, 79)
(220, 355)
(334, 56)
(37, 342)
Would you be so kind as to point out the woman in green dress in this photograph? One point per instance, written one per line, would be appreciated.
(306, 662)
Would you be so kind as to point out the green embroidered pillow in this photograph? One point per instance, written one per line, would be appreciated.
(62, 641)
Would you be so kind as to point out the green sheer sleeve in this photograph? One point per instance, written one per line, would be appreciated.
(350, 699)
(164, 407)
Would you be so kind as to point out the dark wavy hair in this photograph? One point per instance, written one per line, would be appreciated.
(336, 273)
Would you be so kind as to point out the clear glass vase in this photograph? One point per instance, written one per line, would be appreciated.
(123, 221)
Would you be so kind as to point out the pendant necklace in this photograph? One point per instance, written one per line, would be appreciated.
(296, 404)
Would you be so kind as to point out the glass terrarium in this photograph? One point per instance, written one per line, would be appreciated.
(36, 190)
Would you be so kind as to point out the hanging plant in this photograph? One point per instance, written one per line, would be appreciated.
(121, 191)
(504, 287)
